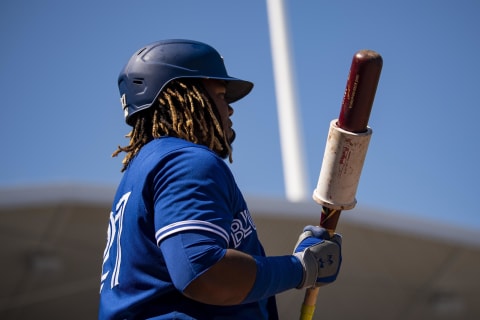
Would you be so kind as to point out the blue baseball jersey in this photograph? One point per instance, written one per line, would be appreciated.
(175, 212)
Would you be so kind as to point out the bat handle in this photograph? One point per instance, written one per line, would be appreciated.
(309, 303)
(328, 220)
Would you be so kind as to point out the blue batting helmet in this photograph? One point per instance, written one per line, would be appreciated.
(153, 66)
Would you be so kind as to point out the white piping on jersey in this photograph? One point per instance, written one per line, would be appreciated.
(190, 225)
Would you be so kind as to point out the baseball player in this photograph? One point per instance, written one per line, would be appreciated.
(181, 241)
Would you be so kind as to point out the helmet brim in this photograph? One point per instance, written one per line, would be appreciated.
(237, 89)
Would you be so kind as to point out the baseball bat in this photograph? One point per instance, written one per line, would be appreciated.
(344, 157)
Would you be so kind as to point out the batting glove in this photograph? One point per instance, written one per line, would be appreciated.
(320, 255)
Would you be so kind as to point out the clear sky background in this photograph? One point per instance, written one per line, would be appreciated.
(61, 118)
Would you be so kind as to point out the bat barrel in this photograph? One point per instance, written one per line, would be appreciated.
(349, 135)
(360, 91)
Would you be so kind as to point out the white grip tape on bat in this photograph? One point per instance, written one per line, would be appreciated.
(342, 165)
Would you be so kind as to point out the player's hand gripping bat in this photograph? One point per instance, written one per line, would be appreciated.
(345, 150)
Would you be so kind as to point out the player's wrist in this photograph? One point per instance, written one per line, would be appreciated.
(310, 268)
(275, 275)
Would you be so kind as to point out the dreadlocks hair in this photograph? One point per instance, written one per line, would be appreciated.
(182, 110)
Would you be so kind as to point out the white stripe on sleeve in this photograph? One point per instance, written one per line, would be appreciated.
(190, 225)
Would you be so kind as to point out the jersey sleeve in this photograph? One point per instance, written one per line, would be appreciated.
(193, 196)
(189, 254)
(193, 193)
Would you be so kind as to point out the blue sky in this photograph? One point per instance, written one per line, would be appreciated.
(61, 117)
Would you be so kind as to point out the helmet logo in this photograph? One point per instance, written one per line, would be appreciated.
(123, 100)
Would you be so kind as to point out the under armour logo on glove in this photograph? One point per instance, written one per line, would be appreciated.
(329, 261)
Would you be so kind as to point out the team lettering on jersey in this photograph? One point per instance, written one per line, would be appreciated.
(242, 227)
